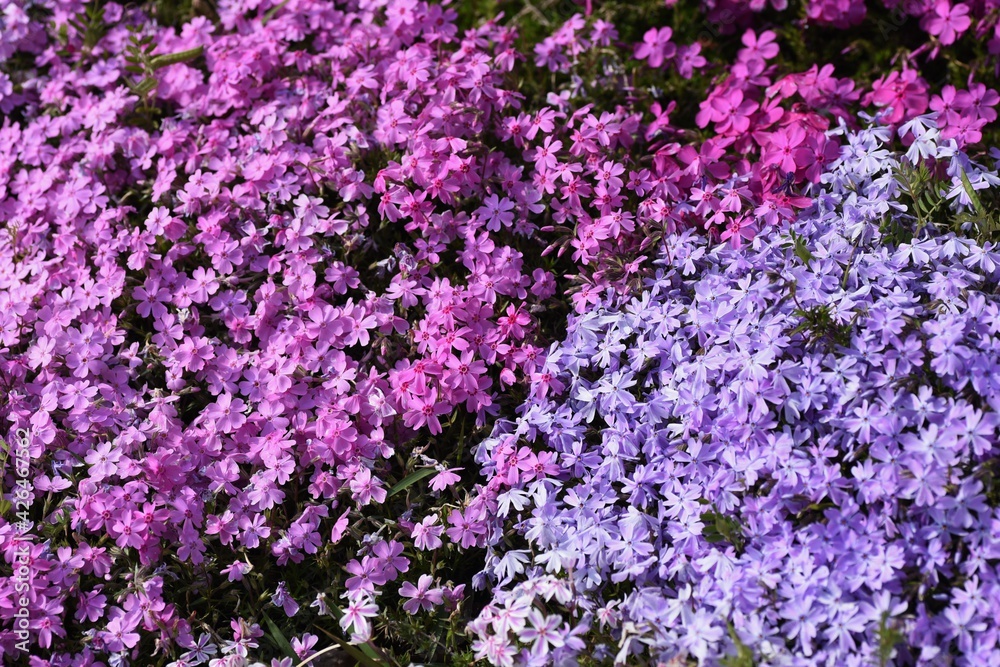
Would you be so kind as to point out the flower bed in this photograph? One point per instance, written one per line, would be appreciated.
(270, 273)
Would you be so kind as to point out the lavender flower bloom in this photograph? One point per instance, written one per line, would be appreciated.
(782, 453)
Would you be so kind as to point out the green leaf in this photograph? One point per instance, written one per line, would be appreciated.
(720, 527)
(318, 654)
(813, 508)
(159, 62)
(411, 479)
(363, 654)
(270, 14)
(971, 191)
(279, 639)
(888, 637)
(800, 249)
(5, 505)
(744, 654)
(146, 86)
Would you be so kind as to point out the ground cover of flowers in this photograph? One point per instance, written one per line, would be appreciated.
(500, 332)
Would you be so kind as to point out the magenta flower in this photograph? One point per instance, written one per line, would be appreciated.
(948, 21)
(904, 92)
(427, 533)
(463, 530)
(688, 59)
(783, 147)
(103, 460)
(425, 410)
(120, 632)
(226, 414)
(729, 111)
(656, 46)
(303, 646)
(91, 605)
(421, 596)
(368, 573)
(365, 488)
(335, 239)
(762, 46)
(444, 479)
(253, 530)
(151, 300)
(236, 570)
(130, 529)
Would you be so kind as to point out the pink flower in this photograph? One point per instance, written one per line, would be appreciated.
(356, 616)
(422, 596)
(235, 570)
(464, 531)
(303, 646)
(656, 46)
(904, 92)
(425, 410)
(151, 300)
(365, 489)
(119, 633)
(782, 147)
(340, 528)
(444, 479)
(253, 530)
(131, 529)
(281, 598)
(102, 461)
(368, 573)
(728, 110)
(689, 59)
(738, 230)
(978, 101)
(226, 414)
(948, 22)
(390, 554)
(496, 212)
(90, 605)
(427, 534)
(761, 46)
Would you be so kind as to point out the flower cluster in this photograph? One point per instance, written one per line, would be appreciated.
(782, 455)
(763, 138)
(224, 328)
(943, 19)
(766, 136)
(266, 270)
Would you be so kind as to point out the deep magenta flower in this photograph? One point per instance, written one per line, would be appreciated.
(948, 21)
(425, 410)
